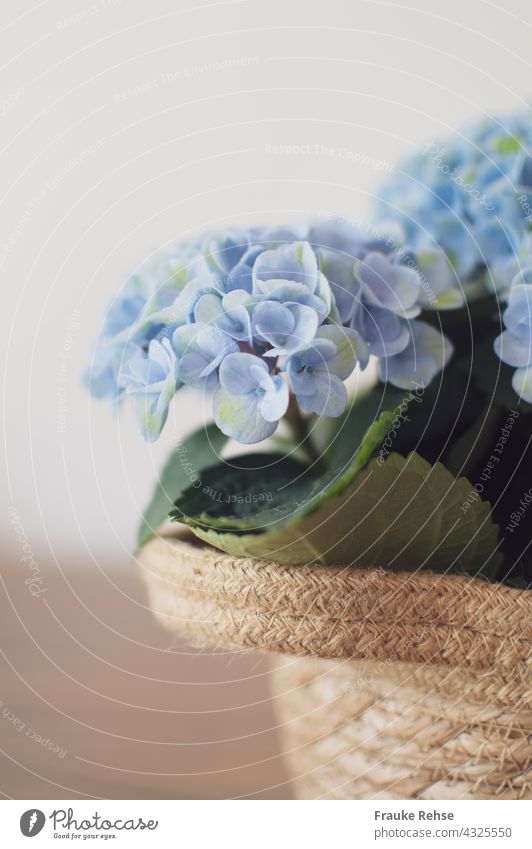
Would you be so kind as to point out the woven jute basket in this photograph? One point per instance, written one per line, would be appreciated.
(388, 685)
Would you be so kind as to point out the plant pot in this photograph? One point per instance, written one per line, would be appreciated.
(388, 685)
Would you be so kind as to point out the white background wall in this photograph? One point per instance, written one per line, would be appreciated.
(154, 157)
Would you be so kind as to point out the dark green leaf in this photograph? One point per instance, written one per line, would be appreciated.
(244, 493)
(183, 467)
(287, 488)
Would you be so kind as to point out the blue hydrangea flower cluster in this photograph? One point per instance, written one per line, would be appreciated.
(472, 196)
(257, 317)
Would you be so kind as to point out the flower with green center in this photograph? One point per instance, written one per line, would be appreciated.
(250, 401)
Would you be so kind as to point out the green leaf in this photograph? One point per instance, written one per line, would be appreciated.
(260, 491)
(191, 456)
(244, 493)
(400, 513)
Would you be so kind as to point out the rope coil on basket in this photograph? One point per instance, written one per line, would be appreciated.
(439, 666)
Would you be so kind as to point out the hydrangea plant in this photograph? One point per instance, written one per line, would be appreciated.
(269, 325)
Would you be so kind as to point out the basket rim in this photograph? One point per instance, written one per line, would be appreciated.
(333, 611)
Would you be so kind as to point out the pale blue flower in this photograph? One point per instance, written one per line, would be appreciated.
(287, 327)
(250, 401)
(291, 273)
(337, 245)
(417, 365)
(342, 248)
(295, 262)
(200, 350)
(226, 249)
(288, 291)
(388, 284)
(152, 379)
(231, 254)
(511, 268)
(125, 310)
(241, 275)
(440, 287)
(316, 374)
(384, 333)
(105, 377)
(229, 312)
(147, 303)
(339, 270)
(183, 310)
(338, 236)
(514, 345)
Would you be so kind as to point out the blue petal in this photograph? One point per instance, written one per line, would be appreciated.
(395, 287)
(518, 314)
(426, 355)
(440, 287)
(328, 399)
(283, 291)
(295, 262)
(384, 333)
(336, 236)
(239, 417)
(350, 348)
(522, 383)
(150, 419)
(272, 320)
(227, 248)
(201, 349)
(236, 373)
(287, 331)
(274, 402)
(512, 351)
(338, 268)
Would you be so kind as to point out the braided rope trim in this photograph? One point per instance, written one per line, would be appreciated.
(336, 612)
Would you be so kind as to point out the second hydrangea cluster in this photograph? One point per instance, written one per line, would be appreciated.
(472, 196)
(266, 318)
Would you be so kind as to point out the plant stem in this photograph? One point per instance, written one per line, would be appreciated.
(300, 430)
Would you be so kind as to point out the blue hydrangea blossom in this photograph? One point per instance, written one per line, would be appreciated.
(251, 316)
(471, 195)
(316, 373)
(417, 365)
(250, 400)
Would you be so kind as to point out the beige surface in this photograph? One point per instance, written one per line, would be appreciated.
(139, 714)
